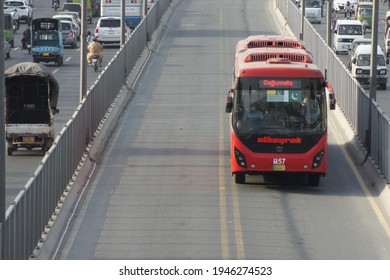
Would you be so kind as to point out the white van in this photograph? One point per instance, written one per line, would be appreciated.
(361, 61)
(344, 33)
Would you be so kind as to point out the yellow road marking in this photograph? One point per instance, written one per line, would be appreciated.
(237, 224)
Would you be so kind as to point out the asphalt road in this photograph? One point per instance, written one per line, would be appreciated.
(23, 163)
(163, 190)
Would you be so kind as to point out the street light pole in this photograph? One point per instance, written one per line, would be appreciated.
(83, 52)
(123, 22)
(373, 74)
(329, 23)
(2, 137)
(303, 5)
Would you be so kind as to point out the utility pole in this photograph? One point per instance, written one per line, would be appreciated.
(83, 52)
(2, 137)
(303, 5)
(329, 30)
(373, 73)
(123, 22)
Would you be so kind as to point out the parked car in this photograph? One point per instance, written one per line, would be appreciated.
(68, 33)
(22, 8)
(70, 18)
(7, 49)
(108, 30)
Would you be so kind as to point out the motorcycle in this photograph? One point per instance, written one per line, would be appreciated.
(26, 44)
(348, 13)
(95, 62)
(55, 5)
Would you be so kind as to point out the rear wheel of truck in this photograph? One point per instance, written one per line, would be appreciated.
(60, 61)
(47, 144)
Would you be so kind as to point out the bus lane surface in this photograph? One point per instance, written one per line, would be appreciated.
(163, 189)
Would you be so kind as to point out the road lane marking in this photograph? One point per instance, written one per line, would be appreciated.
(363, 186)
(237, 224)
(238, 236)
(69, 58)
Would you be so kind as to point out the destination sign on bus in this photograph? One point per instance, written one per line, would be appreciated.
(272, 83)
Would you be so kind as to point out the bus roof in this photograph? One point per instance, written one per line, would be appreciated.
(276, 67)
(276, 41)
(263, 54)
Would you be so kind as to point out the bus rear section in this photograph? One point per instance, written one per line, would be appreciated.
(278, 118)
(269, 41)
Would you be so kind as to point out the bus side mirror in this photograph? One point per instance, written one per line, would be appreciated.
(331, 95)
(387, 61)
(229, 101)
(354, 60)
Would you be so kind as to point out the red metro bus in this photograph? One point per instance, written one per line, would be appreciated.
(278, 115)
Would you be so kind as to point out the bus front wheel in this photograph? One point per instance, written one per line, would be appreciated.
(313, 180)
(240, 178)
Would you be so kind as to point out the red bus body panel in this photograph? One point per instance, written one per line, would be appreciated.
(258, 163)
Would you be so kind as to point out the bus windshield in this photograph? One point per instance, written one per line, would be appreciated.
(269, 106)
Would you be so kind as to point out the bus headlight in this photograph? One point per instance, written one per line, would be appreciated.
(240, 158)
(382, 72)
(317, 160)
(359, 71)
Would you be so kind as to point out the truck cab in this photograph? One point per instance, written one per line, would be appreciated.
(361, 64)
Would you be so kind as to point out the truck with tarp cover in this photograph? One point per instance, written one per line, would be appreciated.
(31, 96)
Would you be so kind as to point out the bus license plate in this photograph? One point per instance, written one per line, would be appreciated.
(45, 54)
(279, 167)
(279, 164)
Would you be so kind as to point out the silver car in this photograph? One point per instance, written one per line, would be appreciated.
(69, 18)
(68, 34)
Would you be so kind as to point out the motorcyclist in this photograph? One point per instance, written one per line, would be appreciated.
(95, 48)
(347, 10)
(26, 36)
(55, 2)
(89, 38)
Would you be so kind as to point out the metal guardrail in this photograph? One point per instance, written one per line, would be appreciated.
(30, 212)
(351, 97)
